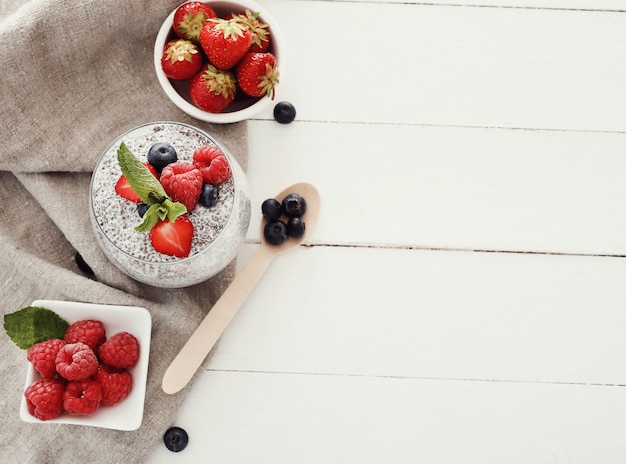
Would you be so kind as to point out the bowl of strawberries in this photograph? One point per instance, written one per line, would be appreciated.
(219, 61)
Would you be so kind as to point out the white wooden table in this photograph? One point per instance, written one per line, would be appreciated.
(465, 297)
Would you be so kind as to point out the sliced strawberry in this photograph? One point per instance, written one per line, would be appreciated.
(123, 188)
(173, 238)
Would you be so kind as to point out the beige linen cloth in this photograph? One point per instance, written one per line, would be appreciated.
(74, 75)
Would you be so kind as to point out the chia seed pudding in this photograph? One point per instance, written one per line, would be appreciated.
(218, 230)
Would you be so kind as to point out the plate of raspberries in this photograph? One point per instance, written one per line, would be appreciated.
(87, 363)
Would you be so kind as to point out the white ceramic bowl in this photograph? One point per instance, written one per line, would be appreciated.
(219, 231)
(128, 414)
(178, 91)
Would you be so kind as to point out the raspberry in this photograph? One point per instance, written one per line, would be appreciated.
(44, 398)
(43, 355)
(183, 182)
(212, 163)
(90, 332)
(120, 351)
(82, 398)
(76, 361)
(116, 385)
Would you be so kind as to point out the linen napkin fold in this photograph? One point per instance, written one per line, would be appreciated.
(75, 75)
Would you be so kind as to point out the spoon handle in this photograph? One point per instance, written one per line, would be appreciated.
(190, 357)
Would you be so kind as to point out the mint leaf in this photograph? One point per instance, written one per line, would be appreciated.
(173, 210)
(34, 324)
(139, 177)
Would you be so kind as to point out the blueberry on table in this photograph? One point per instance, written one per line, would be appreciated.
(160, 155)
(275, 232)
(295, 227)
(284, 112)
(208, 195)
(294, 205)
(176, 439)
(82, 264)
(271, 209)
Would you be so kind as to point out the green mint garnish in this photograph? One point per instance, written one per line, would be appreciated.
(34, 324)
(149, 190)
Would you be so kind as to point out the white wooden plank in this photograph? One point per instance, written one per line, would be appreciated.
(447, 65)
(276, 418)
(429, 314)
(595, 5)
(441, 187)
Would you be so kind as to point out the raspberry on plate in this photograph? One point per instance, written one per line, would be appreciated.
(44, 398)
(212, 164)
(120, 351)
(76, 361)
(115, 385)
(43, 355)
(88, 331)
(82, 398)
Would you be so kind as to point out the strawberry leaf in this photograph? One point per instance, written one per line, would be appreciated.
(34, 324)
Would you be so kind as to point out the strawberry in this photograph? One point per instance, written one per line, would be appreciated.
(213, 89)
(225, 41)
(173, 238)
(258, 29)
(214, 166)
(123, 188)
(183, 182)
(181, 59)
(257, 74)
(189, 19)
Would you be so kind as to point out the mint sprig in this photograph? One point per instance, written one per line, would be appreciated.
(34, 324)
(149, 189)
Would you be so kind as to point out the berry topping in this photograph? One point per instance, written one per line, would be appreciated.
(160, 155)
(76, 361)
(294, 205)
(43, 356)
(173, 238)
(208, 197)
(82, 398)
(284, 112)
(142, 208)
(275, 232)
(124, 189)
(120, 350)
(181, 59)
(257, 74)
(213, 89)
(271, 209)
(189, 19)
(182, 182)
(44, 398)
(89, 331)
(213, 164)
(295, 227)
(175, 439)
(115, 385)
(225, 41)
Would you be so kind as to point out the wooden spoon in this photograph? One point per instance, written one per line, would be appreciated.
(190, 357)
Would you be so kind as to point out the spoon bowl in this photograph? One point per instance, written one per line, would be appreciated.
(193, 353)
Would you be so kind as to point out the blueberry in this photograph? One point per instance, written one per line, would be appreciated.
(176, 439)
(284, 112)
(294, 205)
(271, 209)
(142, 208)
(208, 196)
(160, 155)
(82, 264)
(275, 232)
(295, 227)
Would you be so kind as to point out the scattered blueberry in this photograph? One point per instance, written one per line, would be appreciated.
(82, 264)
(176, 439)
(284, 112)
(160, 155)
(208, 196)
(142, 208)
(295, 227)
(271, 209)
(275, 232)
(294, 205)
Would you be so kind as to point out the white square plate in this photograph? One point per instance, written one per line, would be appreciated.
(128, 414)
